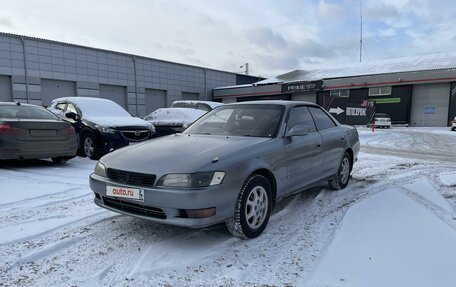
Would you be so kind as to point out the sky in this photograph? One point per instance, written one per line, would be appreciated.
(274, 37)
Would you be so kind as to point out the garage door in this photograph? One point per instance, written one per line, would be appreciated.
(117, 94)
(430, 105)
(155, 99)
(52, 89)
(5, 89)
(190, 96)
(312, 98)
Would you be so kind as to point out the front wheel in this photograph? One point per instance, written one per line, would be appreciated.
(343, 173)
(89, 146)
(253, 208)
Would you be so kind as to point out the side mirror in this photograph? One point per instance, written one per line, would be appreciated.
(299, 130)
(73, 116)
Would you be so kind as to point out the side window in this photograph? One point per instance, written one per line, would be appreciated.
(322, 120)
(300, 116)
(71, 108)
(60, 106)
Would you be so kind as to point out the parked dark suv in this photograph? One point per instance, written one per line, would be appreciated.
(101, 124)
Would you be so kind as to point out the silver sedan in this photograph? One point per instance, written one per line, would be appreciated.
(229, 166)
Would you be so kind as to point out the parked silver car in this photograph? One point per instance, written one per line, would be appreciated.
(231, 166)
(32, 132)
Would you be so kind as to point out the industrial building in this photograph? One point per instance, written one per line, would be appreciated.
(415, 91)
(37, 71)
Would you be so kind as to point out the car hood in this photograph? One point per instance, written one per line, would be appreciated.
(178, 153)
(118, 121)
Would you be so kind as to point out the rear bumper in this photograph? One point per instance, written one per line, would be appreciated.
(13, 149)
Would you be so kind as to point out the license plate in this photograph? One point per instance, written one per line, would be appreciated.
(125, 192)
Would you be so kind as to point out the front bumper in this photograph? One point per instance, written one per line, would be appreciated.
(166, 205)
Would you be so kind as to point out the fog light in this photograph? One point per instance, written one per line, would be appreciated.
(200, 213)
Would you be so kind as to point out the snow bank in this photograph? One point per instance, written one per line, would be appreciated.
(448, 178)
(389, 240)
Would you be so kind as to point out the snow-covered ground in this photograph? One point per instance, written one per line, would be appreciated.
(394, 225)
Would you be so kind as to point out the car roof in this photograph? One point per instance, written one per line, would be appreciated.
(275, 102)
(209, 103)
(77, 100)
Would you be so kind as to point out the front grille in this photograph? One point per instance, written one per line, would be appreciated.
(132, 178)
(135, 135)
(134, 208)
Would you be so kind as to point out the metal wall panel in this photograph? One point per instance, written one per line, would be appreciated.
(5, 89)
(116, 94)
(430, 105)
(190, 96)
(452, 109)
(312, 98)
(52, 89)
(155, 99)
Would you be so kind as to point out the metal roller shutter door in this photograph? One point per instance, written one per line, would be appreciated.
(155, 99)
(116, 94)
(5, 89)
(53, 89)
(430, 105)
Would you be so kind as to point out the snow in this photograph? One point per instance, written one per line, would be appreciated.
(209, 103)
(448, 178)
(93, 107)
(118, 121)
(174, 116)
(389, 240)
(394, 225)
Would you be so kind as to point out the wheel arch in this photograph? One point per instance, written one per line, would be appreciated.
(270, 178)
(352, 159)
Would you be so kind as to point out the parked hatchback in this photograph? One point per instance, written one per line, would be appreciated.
(230, 166)
(32, 132)
(102, 125)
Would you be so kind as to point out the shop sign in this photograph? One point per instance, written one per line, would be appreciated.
(429, 110)
(302, 87)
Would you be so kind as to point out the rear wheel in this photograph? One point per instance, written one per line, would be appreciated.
(253, 208)
(343, 174)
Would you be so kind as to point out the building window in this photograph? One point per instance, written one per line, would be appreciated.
(380, 91)
(340, 93)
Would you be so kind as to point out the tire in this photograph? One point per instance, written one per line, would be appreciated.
(88, 146)
(253, 208)
(453, 129)
(343, 174)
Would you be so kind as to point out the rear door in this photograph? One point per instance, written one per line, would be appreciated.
(333, 141)
(304, 153)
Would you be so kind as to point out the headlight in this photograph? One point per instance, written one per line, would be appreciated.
(105, 130)
(201, 179)
(152, 129)
(100, 169)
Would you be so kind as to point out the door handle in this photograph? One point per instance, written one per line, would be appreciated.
(342, 138)
(318, 145)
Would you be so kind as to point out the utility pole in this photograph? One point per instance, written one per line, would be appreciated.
(361, 32)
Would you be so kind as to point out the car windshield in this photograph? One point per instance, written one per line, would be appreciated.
(381, 116)
(240, 120)
(26, 112)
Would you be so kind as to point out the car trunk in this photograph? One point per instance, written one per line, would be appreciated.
(40, 130)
